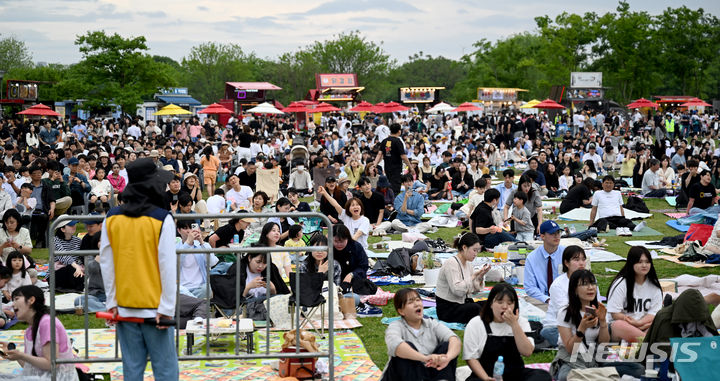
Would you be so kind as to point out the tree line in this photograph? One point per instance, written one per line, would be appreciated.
(676, 52)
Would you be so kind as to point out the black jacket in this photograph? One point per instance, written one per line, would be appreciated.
(223, 286)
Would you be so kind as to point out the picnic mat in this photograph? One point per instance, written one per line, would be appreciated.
(583, 214)
(646, 244)
(672, 200)
(675, 215)
(645, 232)
(351, 359)
(677, 226)
(697, 265)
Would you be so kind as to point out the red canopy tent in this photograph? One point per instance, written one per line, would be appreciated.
(696, 102)
(215, 109)
(324, 107)
(394, 107)
(39, 110)
(379, 107)
(549, 104)
(467, 106)
(296, 107)
(642, 102)
(363, 107)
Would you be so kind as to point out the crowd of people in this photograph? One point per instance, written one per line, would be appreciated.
(370, 176)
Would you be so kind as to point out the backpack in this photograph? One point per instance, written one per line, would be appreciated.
(398, 262)
(636, 204)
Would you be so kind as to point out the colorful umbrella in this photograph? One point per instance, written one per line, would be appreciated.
(467, 106)
(325, 107)
(549, 104)
(642, 102)
(39, 109)
(530, 104)
(441, 107)
(363, 107)
(215, 109)
(264, 108)
(696, 102)
(172, 109)
(295, 107)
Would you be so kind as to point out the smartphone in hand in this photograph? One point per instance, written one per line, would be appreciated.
(591, 311)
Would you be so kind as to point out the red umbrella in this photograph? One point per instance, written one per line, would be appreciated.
(325, 107)
(696, 102)
(549, 104)
(642, 102)
(394, 107)
(363, 107)
(467, 106)
(295, 107)
(215, 109)
(379, 107)
(39, 109)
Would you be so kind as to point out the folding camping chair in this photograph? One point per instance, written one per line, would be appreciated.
(310, 298)
(268, 181)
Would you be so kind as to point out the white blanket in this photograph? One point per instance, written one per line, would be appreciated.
(583, 214)
(647, 245)
(596, 255)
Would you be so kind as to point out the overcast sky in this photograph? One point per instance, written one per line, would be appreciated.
(271, 27)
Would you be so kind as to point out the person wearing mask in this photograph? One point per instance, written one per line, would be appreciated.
(300, 180)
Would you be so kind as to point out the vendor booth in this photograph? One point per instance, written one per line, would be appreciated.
(415, 95)
(497, 98)
(240, 96)
(335, 88)
(173, 95)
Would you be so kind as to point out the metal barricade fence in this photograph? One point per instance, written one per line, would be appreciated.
(54, 361)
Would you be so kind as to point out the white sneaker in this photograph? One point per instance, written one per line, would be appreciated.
(640, 226)
(627, 231)
(619, 231)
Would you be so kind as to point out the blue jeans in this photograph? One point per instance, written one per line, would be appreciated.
(494, 239)
(95, 303)
(137, 341)
(550, 333)
(460, 194)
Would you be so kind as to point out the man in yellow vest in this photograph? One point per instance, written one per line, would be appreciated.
(138, 263)
(670, 126)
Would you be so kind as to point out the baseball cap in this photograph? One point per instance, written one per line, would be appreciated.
(66, 223)
(73, 161)
(93, 222)
(549, 227)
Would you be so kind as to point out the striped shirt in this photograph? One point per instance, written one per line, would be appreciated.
(70, 245)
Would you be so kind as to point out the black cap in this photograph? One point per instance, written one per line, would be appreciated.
(330, 179)
(144, 169)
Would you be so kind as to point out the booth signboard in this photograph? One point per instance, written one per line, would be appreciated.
(60, 110)
(149, 111)
(25, 90)
(323, 81)
(496, 94)
(419, 94)
(585, 94)
(586, 80)
(174, 91)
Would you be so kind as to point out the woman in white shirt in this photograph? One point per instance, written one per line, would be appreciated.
(573, 259)
(352, 216)
(518, 153)
(667, 174)
(566, 180)
(504, 153)
(634, 296)
(581, 327)
(457, 281)
(31, 137)
(100, 189)
(500, 331)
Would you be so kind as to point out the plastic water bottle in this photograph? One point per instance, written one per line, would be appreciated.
(499, 369)
(236, 239)
(227, 205)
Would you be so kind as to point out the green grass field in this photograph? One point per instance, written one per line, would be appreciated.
(372, 333)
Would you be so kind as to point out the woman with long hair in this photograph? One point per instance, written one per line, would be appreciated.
(210, 165)
(581, 327)
(29, 303)
(458, 280)
(13, 237)
(371, 172)
(589, 170)
(333, 191)
(352, 215)
(462, 182)
(317, 261)
(634, 296)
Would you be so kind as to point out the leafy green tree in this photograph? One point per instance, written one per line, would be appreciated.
(295, 73)
(689, 41)
(511, 62)
(209, 65)
(116, 70)
(626, 52)
(49, 76)
(423, 70)
(353, 53)
(14, 54)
